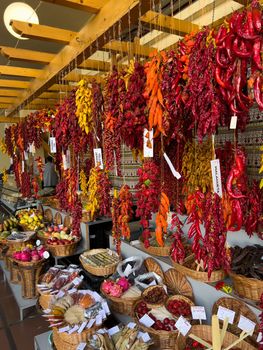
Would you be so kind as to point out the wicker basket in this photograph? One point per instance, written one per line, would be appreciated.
(153, 266)
(199, 275)
(48, 216)
(14, 272)
(16, 246)
(178, 283)
(162, 339)
(42, 239)
(98, 270)
(240, 308)
(29, 272)
(67, 221)
(75, 338)
(40, 209)
(205, 332)
(63, 250)
(250, 288)
(158, 251)
(155, 305)
(183, 298)
(58, 219)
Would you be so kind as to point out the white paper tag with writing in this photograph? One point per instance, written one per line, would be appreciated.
(25, 155)
(64, 161)
(97, 297)
(198, 312)
(127, 270)
(113, 330)
(183, 325)
(52, 144)
(38, 242)
(23, 166)
(98, 157)
(246, 324)
(81, 346)
(98, 320)
(74, 329)
(91, 323)
(106, 307)
(64, 329)
(260, 337)
(147, 143)
(83, 325)
(60, 294)
(68, 158)
(170, 164)
(216, 176)
(73, 290)
(146, 320)
(223, 313)
(144, 336)
(233, 122)
(131, 325)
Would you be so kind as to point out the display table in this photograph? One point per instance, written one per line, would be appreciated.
(23, 304)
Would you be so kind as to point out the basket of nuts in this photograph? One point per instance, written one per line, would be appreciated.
(154, 296)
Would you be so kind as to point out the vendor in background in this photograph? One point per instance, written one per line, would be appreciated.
(50, 177)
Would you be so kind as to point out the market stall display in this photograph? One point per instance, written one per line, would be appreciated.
(100, 262)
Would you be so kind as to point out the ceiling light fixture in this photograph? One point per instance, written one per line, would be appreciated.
(22, 12)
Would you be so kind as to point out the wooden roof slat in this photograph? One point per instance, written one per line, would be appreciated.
(92, 6)
(26, 55)
(19, 71)
(168, 24)
(9, 120)
(9, 93)
(129, 47)
(15, 84)
(76, 77)
(7, 100)
(5, 105)
(61, 87)
(95, 65)
(47, 95)
(91, 38)
(41, 32)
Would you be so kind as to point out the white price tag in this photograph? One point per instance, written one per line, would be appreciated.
(98, 157)
(146, 320)
(113, 331)
(11, 161)
(97, 297)
(147, 143)
(131, 325)
(153, 283)
(38, 243)
(60, 294)
(74, 329)
(46, 255)
(91, 323)
(246, 325)
(144, 336)
(47, 311)
(98, 320)
(52, 144)
(81, 346)
(64, 329)
(127, 270)
(64, 161)
(25, 155)
(83, 325)
(106, 307)
(76, 281)
(68, 158)
(233, 122)
(23, 166)
(174, 172)
(216, 176)
(103, 314)
(260, 337)
(71, 291)
(223, 313)
(198, 312)
(183, 325)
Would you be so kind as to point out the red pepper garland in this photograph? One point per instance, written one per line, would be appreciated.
(25, 185)
(103, 194)
(177, 250)
(147, 195)
(116, 231)
(98, 111)
(253, 218)
(126, 211)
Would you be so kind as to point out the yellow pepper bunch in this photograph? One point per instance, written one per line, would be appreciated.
(3, 147)
(84, 101)
(5, 177)
(261, 168)
(196, 166)
(93, 204)
(83, 182)
(129, 72)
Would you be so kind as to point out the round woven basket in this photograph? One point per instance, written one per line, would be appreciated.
(15, 246)
(199, 275)
(178, 283)
(158, 251)
(151, 305)
(75, 338)
(98, 270)
(153, 266)
(48, 216)
(40, 209)
(67, 221)
(162, 339)
(58, 219)
(29, 272)
(250, 288)
(63, 250)
(183, 298)
(240, 308)
(14, 272)
(205, 332)
(42, 239)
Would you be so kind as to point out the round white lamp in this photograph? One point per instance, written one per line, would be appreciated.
(22, 12)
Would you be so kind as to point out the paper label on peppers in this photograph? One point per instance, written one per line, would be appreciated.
(246, 325)
(23, 166)
(216, 177)
(233, 122)
(147, 143)
(64, 161)
(98, 157)
(26, 155)
(52, 144)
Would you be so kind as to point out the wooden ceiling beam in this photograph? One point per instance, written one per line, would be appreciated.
(9, 120)
(26, 55)
(76, 77)
(95, 65)
(5, 105)
(41, 32)
(10, 93)
(92, 37)
(92, 6)
(61, 87)
(168, 24)
(47, 95)
(7, 100)
(128, 48)
(14, 84)
(19, 71)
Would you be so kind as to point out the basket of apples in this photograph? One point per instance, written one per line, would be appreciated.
(52, 231)
(62, 243)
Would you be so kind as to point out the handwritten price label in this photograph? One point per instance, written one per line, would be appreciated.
(224, 313)
(198, 312)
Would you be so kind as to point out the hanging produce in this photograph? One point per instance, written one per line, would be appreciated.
(126, 212)
(103, 192)
(161, 219)
(35, 186)
(133, 118)
(83, 182)
(17, 171)
(84, 102)
(25, 185)
(97, 110)
(253, 211)
(4, 177)
(153, 93)
(10, 140)
(148, 191)
(196, 167)
(116, 230)
(261, 168)
(40, 167)
(3, 147)
(177, 249)
(93, 202)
